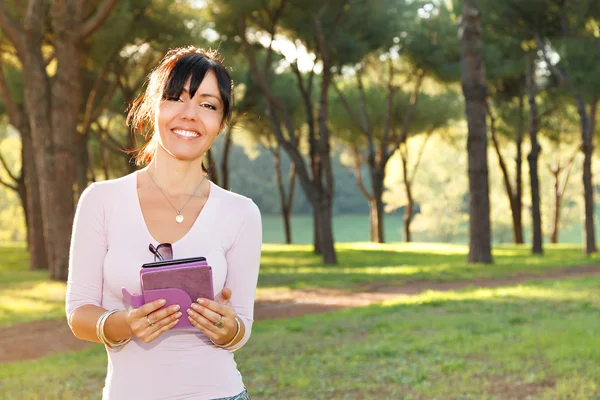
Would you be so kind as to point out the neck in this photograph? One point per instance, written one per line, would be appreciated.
(175, 176)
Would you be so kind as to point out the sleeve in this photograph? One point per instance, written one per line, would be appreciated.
(243, 263)
(87, 252)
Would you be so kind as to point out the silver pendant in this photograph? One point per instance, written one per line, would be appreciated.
(179, 218)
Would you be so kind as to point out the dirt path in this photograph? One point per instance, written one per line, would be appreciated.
(33, 340)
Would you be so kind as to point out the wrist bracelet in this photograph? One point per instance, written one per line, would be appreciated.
(237, 333)
(100, 332)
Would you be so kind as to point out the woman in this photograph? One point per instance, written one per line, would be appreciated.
(186, 105)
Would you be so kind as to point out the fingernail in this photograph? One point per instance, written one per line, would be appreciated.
(176, 307)
(162, 301)
(178, 315)
(195, 306)
(201, 301)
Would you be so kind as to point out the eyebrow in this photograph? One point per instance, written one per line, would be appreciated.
(205, 95)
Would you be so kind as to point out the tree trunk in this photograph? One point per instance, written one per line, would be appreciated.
(225, 158)
(517, 208)
(532, 158)
(587, 134)
(32, 205)
(316, 231)
(326, 232)
(55, 176)
(409, 207)
(474, 89)
(376, 207)
(284, 204)
(555, 205)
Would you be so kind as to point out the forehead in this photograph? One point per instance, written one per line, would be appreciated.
(208, 85)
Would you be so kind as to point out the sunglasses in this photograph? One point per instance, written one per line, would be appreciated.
(162, 252)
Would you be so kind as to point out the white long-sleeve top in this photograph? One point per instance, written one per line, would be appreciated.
(109, 245)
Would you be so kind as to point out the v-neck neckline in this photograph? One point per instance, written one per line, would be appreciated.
(140, 213)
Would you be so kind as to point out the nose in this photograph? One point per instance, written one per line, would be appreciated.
(190, 111)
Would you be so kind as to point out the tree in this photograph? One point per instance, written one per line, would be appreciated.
(377, 123)
(26, 180)
(336, 34)
(53, 103)
(578, 45)
(254, 108)
(375, 119)
(558, 128)
(474, 89)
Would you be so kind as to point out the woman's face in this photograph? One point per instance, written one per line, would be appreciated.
(187, 126)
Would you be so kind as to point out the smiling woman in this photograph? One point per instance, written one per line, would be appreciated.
(189, 96)
(168, 205)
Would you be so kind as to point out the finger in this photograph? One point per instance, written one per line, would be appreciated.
(209, 333)
(161, 314)
(223, 309)
(224, 296)
(161, 317)
(152, 336)
(207, 323)
(149, 307)
(209, 314)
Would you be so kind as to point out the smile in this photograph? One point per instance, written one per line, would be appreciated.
(185, 133)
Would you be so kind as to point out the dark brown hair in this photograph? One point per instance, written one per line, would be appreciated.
(166, 82)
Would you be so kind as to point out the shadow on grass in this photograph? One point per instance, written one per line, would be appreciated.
(400, 263)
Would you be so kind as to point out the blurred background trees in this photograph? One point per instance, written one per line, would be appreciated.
(350, 119)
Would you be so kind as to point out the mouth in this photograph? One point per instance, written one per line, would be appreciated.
(186, 134)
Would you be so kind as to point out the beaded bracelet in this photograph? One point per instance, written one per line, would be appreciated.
(237, 333)
(102, 337)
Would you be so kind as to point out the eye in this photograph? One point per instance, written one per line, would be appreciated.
(208, 105)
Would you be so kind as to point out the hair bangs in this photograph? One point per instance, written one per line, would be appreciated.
(192, 67)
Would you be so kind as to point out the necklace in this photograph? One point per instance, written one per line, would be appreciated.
(179, 218)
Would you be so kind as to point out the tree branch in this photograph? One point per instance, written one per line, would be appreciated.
(562, 76)
(412, 105)
(348, 108)
(274, 19)
(388, 114)
(567, 171)
(8, 171)
(358, 175)
(505, 175)
(260, 78)
(8, 185)
(13, 31)
(14, 115)
(97, 19)
(94, 92)
(420, 155)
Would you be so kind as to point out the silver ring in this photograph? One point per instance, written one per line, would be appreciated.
(150, 323)
(219, 324)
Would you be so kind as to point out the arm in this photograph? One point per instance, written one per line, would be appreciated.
(86, 261)
(84, 285)
(243, 263)
(235, 303)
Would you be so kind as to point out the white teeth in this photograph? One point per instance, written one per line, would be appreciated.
(182, 132)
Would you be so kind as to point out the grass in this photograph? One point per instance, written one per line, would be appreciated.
(27, 296)
(361, 264)
(540, 339)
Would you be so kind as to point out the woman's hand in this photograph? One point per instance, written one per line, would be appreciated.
(216, 319)
(148, 322)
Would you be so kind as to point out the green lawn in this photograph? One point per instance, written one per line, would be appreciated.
(540, 339)
(26, 296)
